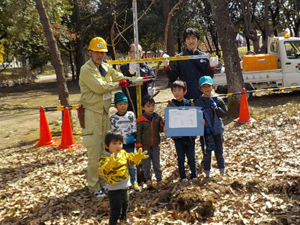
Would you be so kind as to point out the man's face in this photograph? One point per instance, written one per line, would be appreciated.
(97, 57)
(131, 53)
(191, 42)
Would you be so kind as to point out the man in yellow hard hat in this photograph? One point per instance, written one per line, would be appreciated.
(97, 80)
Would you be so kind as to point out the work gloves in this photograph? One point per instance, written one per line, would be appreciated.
(130, 140)
(124, 83)
(166, 62)
(112, 162)
(151, 90)
(133, 67)
(139, 156)
(213, 61)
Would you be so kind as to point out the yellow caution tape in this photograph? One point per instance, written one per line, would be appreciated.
(158, 59)
(60, 108)
(261, 90)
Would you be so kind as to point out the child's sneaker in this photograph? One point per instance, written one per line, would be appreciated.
(222, 171)
(162, 185)
(207, 173)
(98, 194)
(125, 221)
(149, 185)
(135, 186)
(184, 180)
(194, 179)
(104, 189)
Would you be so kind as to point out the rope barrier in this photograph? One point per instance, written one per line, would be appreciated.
(61, 107)
(261, 90)
(73, 107)
(157, 59)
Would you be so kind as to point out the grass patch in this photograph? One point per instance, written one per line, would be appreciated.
(47, 70)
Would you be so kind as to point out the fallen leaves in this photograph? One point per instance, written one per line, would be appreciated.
(261, 186)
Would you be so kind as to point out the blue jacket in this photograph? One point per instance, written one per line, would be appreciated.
(190, 71)
(213, 118)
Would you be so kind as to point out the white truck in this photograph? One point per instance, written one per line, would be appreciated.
(280, 67)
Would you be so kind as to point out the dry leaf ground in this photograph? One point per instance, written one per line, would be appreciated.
(47, 186)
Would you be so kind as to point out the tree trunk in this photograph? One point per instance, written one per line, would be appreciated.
(250, 32)
(170, 39)
(231, 56)
(54, 53)
(79, 53)
(266, 28)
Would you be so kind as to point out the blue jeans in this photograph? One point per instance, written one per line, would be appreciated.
(219, 140)
(186, 147)
(132, 169)
(154, 158)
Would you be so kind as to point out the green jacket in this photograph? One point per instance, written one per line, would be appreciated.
(148, 131)
(96, 89)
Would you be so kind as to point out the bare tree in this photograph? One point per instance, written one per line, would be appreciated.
(250, 31)
(169, 40)
(231, 56)
(168, 33)
(54, 53)
(266, 27)
(115, 38)
(168, 14)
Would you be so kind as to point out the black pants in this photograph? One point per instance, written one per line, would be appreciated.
(119, 203)
(207, 155)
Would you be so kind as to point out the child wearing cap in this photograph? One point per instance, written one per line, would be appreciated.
(125, 121)
(214, 110)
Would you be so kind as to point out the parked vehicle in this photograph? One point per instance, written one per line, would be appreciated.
(280, 67)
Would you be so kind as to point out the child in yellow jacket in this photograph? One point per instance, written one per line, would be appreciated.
(113, 165)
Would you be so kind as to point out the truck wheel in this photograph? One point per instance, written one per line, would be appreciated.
(249, 94)
(221, 89)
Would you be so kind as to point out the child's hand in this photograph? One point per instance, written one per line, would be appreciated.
(165, 129)
(203, 122)
(112, 162)
(213, 104)
(130, 140)
(139, 156)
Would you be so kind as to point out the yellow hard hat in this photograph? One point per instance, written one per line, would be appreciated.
(98, 44)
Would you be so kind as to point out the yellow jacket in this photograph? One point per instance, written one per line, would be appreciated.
(96, 89)
(120, 171)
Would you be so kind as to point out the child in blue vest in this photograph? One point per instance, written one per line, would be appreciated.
(214, 110)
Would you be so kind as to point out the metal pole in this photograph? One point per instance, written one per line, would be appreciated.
(136, 43)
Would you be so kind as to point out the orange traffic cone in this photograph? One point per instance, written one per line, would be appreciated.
(244, 110)
(67, 141)
(45, 135)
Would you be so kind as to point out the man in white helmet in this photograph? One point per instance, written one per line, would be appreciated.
(97, 80)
